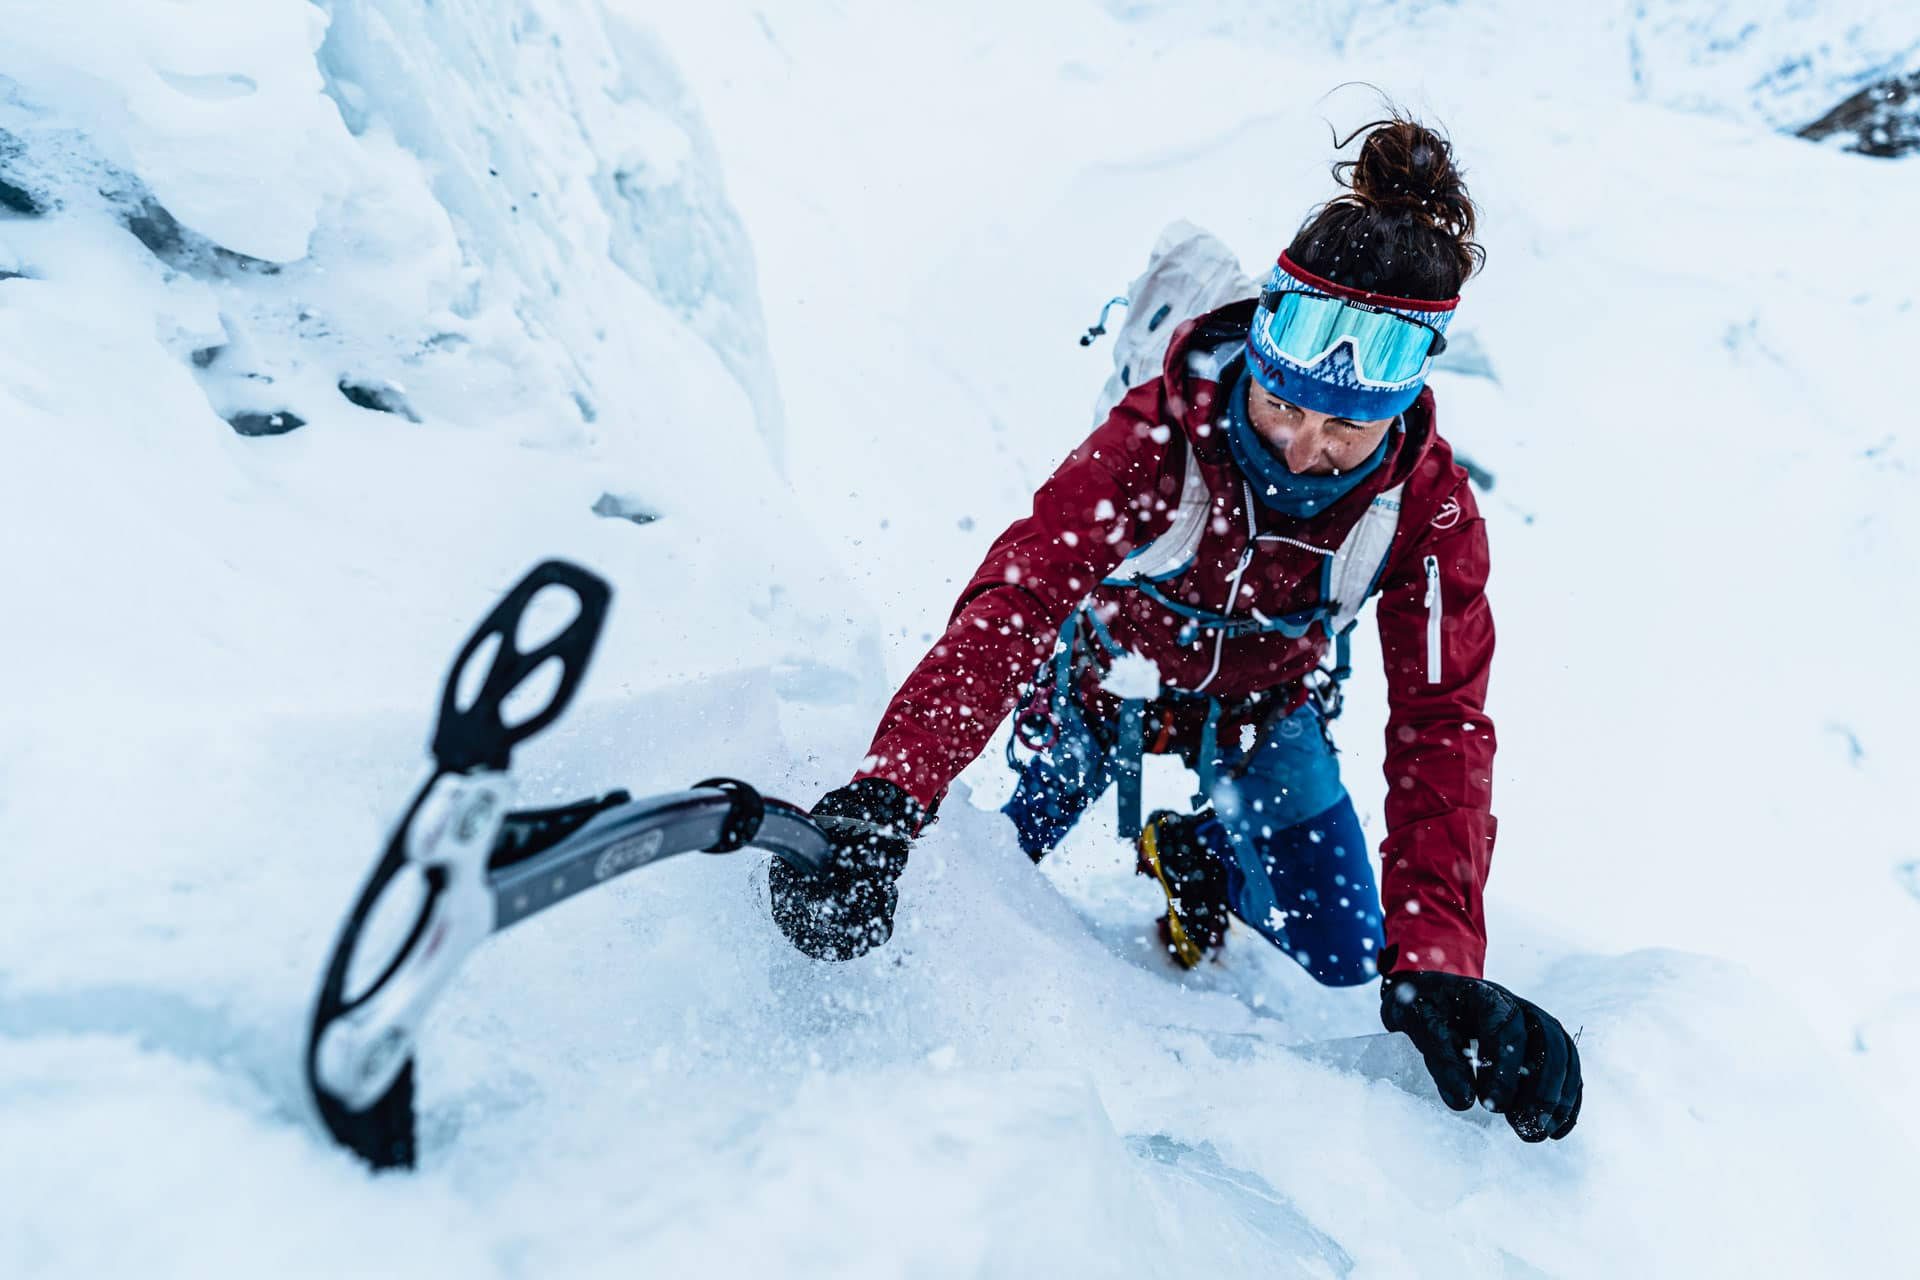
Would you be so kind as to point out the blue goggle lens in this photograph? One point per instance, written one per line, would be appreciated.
(1387, 348)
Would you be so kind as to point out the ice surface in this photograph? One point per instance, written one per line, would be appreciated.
(550, 230)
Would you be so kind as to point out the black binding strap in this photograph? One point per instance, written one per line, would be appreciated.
(743, 821)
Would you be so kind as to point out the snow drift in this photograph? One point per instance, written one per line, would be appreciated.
(495, 260)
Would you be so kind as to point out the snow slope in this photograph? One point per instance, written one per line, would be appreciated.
(525, 230)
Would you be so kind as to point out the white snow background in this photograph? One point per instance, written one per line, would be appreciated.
(767, 313)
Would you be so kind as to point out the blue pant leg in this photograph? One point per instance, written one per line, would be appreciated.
(1058, 786)
(1296, 855)
(1324, 888)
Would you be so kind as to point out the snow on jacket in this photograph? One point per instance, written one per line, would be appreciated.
(1117, 491)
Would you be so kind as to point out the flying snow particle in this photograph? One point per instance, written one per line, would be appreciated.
(1133, 675)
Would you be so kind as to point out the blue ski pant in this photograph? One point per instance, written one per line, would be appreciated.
(1283, 825)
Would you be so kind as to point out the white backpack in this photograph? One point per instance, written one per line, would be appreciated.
(1189, 273)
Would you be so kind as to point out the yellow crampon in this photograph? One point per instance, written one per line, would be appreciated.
(1184, 950)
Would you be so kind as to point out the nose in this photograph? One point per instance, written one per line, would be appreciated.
(1303, 446)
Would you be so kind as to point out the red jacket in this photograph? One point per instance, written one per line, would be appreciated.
(1117, 491)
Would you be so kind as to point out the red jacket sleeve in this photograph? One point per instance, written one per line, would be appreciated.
(1110, 495)
(1436, 635)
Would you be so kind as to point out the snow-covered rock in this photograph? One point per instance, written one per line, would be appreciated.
(291, 387)
(1882, 119)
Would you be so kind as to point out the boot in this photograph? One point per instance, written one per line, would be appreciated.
(1194, 881)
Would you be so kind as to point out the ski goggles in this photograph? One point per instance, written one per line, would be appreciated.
(1343, 351)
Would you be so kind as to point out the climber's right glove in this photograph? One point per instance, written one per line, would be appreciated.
(847, 909)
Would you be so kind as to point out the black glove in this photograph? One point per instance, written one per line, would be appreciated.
(1528, 1066)
(847, 909)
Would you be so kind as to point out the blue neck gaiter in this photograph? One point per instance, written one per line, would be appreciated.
(1277, 487)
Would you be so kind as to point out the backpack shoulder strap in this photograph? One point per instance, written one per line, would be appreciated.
(1354, 570)
(1172, 552)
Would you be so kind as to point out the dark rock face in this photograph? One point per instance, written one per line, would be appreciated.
(615, 507)
(180, 248)
(1881, 120)
(381, 397)
(266, 424)
(15, 197)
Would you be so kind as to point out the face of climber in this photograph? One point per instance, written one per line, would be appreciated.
(1311, 443)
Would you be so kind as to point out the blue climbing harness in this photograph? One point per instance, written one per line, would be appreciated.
(1349, 575)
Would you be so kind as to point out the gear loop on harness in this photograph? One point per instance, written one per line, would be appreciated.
(1061, 687)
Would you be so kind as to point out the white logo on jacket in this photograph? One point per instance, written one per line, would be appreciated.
(1449, 514)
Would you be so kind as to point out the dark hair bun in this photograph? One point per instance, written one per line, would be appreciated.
(1407, 168)
(1405, 223)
